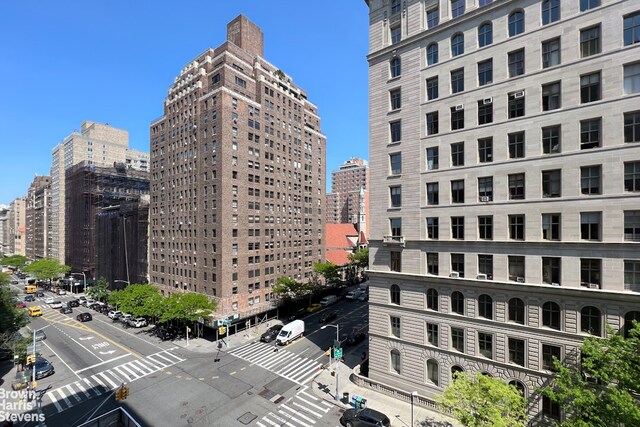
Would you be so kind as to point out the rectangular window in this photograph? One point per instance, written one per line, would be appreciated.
(432, 88)
(432, 334)
(516, 104)
(549, 352)
(485, 227)
(432, 263)
(632, 176)
(551, 96)
(457, 227)
(457, 264)
(485, 111)
(516, 186)
(588, 4)
(516, 351)
(590, 87)
(395, 326)
(433, 194)
(432, 158)
(551, 139)
(485, 266)
(516, 145)
(590, 41)
(632, 275)
(457, 8)
(396, 196)
(457, 80)
(457, 339)
(457, 118)
(590, 225)
(551, 226)
(432, 228)
(632, 127)
(485, 344)
(457, 191)
(516, 227)
(395, 99)
(395, 130)
(550, 53)
(551, 270)
(590, 177)
(485, 72)
(395, 261)
(396, 226)
(396, 34)
(485, 150)
(551, 183)
(516, 268)
(516, 63)
(590, 133)
(432, 123)
(631, 29)
(550, 11)
(457, 154)
(632, 226)
(395, 160)
(433, 18)
(485, 188)
(632, 77)
(590, 272)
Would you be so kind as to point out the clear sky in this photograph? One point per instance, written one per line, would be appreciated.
(112, 61)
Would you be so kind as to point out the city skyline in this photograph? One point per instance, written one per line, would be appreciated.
(120, 78)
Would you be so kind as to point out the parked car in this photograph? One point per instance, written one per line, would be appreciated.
(40, 294)
(166, 333)
(327, 316)
(84, 317)
(328, 300)
(124, 319)
(104, 309)
(114, 313)
(271, 333)
(62, 292)
(313, 308)
(364, 417)
(21, 304)
(94, 305)
(355, 337)
(48, 300)
(353, 294)
(56, 304)
(29, 298)
(40, 335)
(44, 368)
(87, 302)
(299, 314)
(66, 310)
(138, 322)
(364, 296)
(73, 303)
(82, 298)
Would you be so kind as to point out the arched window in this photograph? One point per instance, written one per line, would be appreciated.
(591, 320)
(516, 23)
(395, 294)
(485, 34)
(455, 369)
(516, 310)
(457, 44)
(629, 318)
(457, 302)
(519, 386)
(432, 299)
(551, 315)
(485, 306)
(433, 373)
(395, 67)
(432, 54)
(395, 361)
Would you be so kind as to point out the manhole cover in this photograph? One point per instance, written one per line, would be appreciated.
(247, 418)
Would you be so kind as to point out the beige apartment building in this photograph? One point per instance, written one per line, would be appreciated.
(237, 178)
(37, 217)
(348, 202)
(17, 227)
(99, 144)
(510, 231)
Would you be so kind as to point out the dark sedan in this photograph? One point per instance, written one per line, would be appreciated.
(73, 303)
(44, 368)
(356, 337)
(66, 310)
(271, 333)
(29, 298)
(364, 418)
(166, 334)
(84, 317)
(327, 316)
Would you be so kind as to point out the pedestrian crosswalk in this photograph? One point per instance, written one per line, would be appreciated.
(281, 362)
(87, 388)
(302, 410)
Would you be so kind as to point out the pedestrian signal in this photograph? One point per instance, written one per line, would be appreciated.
(222, 330)
(31, 358)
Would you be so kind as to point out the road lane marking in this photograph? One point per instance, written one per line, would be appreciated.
(64, 397)
(142, 367)
(133, 374)
(307, 409)
(82, 389)
(124, 375)
(59, 358)
(232, 373)
(99, 381)
(54, 400)
(102, 363)
(73, 394)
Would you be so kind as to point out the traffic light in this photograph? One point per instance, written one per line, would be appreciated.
(119, 393)
(31, 358)
(222, 330)
(125, 392)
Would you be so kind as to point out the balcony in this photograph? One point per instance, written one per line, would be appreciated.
(393, 241)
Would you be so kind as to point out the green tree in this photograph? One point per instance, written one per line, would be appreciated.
(138, 300)
(99, 291)
(329, 271)
(187, 307)
(483, 401)
(47, 269)
(11, 318)
(288, 288)
(359, 259)
(17, 261)
(603, 389)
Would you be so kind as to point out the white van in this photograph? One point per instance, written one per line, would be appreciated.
(353, 295)
(328, 300)
(290, 332)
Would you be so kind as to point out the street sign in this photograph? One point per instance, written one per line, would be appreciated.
(337, 353)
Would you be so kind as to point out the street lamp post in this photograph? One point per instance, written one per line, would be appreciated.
(413, 395)
(38, 401)
(337, 361)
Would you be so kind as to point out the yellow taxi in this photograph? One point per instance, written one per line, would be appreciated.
(313, 308)
(35, 311)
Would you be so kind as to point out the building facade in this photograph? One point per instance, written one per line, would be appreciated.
(505, 193)
(17, 227)
(348, 202)
(237, 178)
(91, 188)
(4, 229)
(37, 217)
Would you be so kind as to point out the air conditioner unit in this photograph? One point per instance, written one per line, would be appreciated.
(454, 274)
(594, 286)
(487, 101)
(555, 284)
(459, 107)
(519, 94)
(485, 198)
(520, 279)
(481, 277)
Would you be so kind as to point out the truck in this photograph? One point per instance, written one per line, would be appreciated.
(290, 332)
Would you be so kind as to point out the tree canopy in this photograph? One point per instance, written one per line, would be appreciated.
(329, 271)
(47, 269)
(603, 388)
(17, 261)
(484, 401)
(360, 259)
(99, 291)
(11, 318)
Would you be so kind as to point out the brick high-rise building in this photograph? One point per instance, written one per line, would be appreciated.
(348, 202)
(508, 229)
(37, 217)
(237, 178)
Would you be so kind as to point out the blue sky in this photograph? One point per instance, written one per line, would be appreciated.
(112, 61)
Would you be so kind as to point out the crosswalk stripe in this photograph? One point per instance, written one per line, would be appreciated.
(158, 362)
(82, 389)
(276, 360)
(291, 417)
(280, 419)
(311, 396)
(294, 364)
(53, 399)
(99, 381)
(296, 412)
(75, 395)
(315, 371)
(260, 424)
(165, 358)
(302, 367)
(156, 368)
(174, 356)
(241, 351)
(307, 409)
(124, 375)
(133, 374)
(270, 422)
(64, 397)
(107, 379)
(144, 367)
